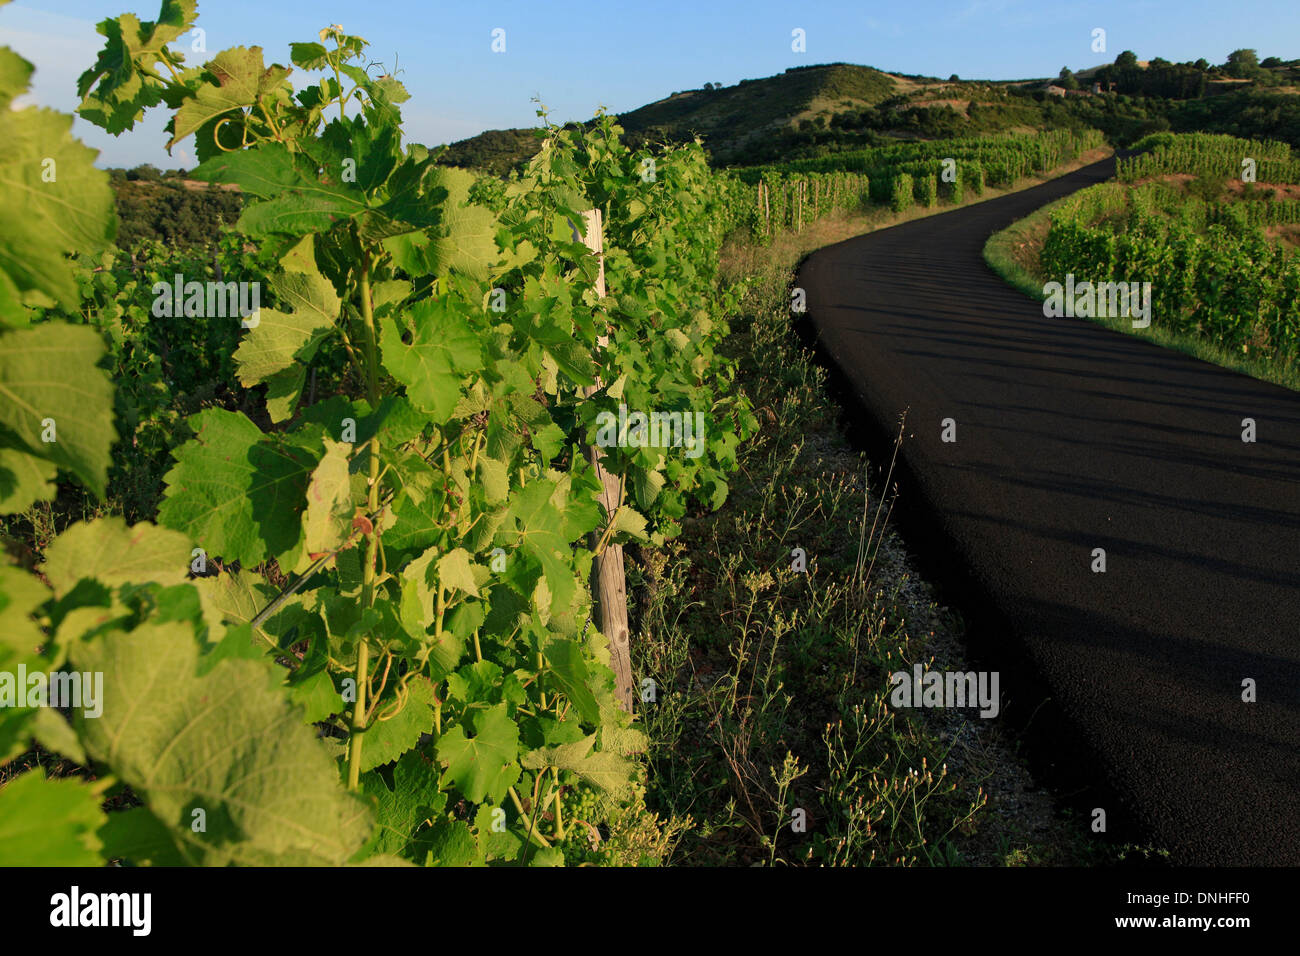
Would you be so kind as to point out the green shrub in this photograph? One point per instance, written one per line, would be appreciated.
(901, 193)
(952, 191)
(925, 190)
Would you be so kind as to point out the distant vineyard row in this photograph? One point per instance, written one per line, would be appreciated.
(1209, 154)
(764, 200)
(1214, 272)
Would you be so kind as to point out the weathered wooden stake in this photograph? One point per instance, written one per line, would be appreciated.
(608, 578)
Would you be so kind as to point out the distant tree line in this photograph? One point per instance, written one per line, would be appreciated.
(1185, 81)
(157, 204)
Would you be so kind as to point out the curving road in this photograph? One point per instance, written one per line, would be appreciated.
(1071, 437)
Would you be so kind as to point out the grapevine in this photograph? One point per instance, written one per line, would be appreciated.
(372, 546)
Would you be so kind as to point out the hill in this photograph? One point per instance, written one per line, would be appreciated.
(730, 119)
(818, 110)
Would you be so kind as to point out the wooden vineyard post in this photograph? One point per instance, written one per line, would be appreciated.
(608, 579)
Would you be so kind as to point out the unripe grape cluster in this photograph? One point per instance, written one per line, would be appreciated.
(582, 844)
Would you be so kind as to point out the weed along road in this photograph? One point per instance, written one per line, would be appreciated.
(1138, 555)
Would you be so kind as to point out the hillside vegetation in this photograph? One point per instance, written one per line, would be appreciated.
(816, 111)
(169, 208)
(734, 120)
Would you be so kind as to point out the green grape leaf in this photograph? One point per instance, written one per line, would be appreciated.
(546, 856)
(570, 671)
(137, 836)
(608, 771)
(239, 79)
(292, 200)
(235, 492)
(279, 337)
(24, 480)
(236, 645)
(677, 339)
(442, 350)
(494, 844)
(317, 696)
(108, 551)
(482, 767)
(327, 519)
(417, 594)
(48, 372)
(630, 522)
(401, 811)
(465, 240)
(55, 202)
(494, 476)
(647, 485)
(480, 681)
(373, 148)
(417, 524)
(56, 735)
(229, 743)
(386, 740)
(309, 56)
(15, 72)
(238, 597)
(450, 843)
(549, 440)
(20, 595)
(48, 822)
(20, 642)
(284, 392)
(537, 527)
(15, 731)
(115, 90)
(455, 571)
(622, 740)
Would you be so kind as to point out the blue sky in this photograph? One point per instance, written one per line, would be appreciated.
(578, 56)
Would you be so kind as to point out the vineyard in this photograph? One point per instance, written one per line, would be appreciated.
(314, 538)
(361, 627)
(768, 199)
(1214, 272)
(1209, 154)
(773, 202)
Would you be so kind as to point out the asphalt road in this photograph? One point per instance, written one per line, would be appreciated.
(1072, 437)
